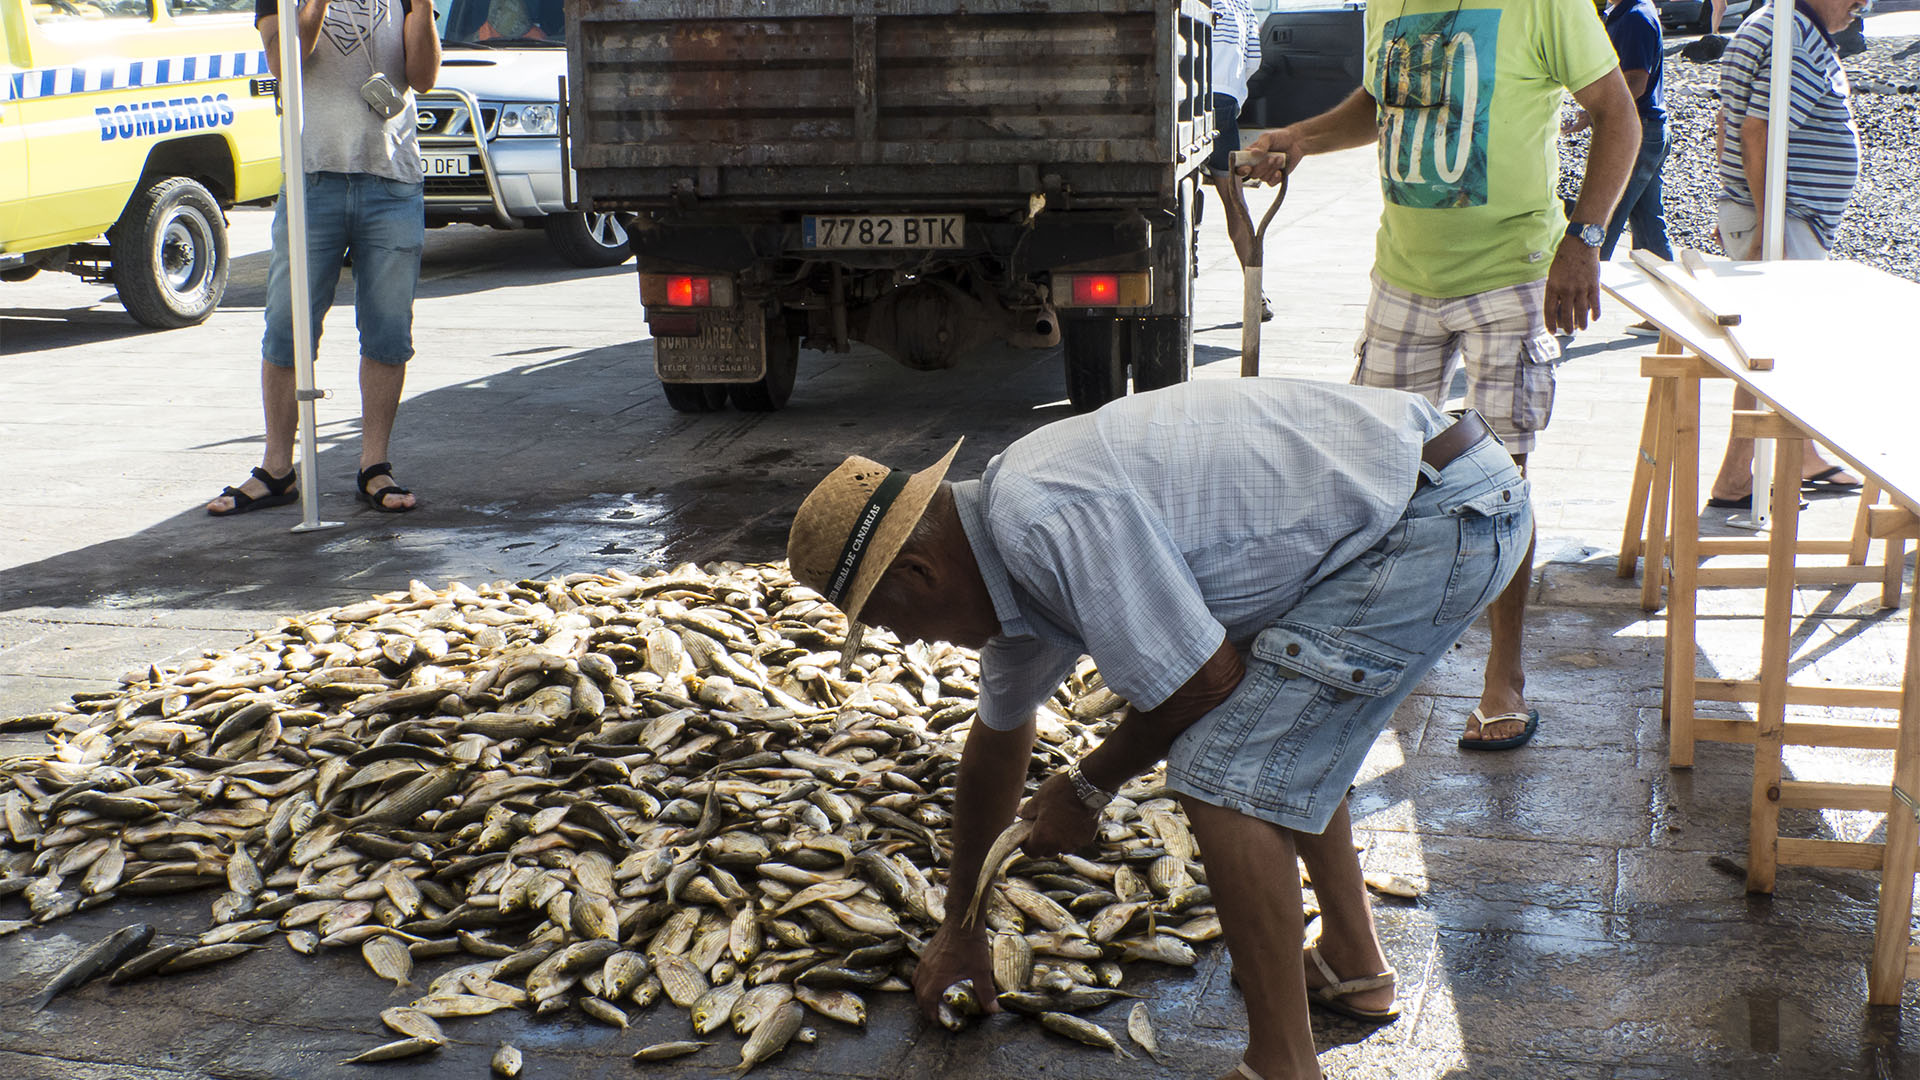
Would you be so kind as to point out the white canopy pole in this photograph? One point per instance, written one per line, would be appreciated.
(1773, 214)
(293, 167)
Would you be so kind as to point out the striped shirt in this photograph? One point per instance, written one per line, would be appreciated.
(1823, 146)
(1236, 47)
(1145, 534)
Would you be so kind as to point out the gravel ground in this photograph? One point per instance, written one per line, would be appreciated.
(1882, 226)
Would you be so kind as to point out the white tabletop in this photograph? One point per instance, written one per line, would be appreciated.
(1845, 341)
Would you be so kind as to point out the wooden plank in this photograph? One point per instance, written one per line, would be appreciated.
(1682, 584)
(1810, 795)
(1893, 563)
(1862, 523)
(1841, 854)
(1660, 366)
(1757, 545)
(1850, 735)
(1652, 423)
(1707, 286)
(1838, 697)
(1893, 925)
(1776, 650)
(1659, 502)
(1892, 522)
(1684, 289)
(1765, 424)
(1753, 577)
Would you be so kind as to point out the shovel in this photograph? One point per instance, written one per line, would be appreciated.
(1251, 260)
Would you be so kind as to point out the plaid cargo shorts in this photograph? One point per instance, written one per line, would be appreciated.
(1415, 343)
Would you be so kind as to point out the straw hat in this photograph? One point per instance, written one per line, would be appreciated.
(849, 529)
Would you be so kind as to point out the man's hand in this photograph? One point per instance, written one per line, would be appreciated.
(954, 955)
(1573, 287)
(1061, 822)
(1283, 150)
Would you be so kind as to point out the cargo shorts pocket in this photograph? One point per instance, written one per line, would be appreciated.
(1488, 524)
(1334, 692)
(1533, 397)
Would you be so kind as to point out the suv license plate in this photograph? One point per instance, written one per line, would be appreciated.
(432, 165)
(916, 231)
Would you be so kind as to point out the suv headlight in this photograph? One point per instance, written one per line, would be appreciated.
(542, 119)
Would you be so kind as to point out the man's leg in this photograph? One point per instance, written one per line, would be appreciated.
(1504, 686)
(1509, 358)
(1647, 214)
(1250, 866)
(326, 247)
(388, 238)
(1349, 943)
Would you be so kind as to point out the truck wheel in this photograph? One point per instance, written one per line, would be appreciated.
(695, 397)
(770, 394)
(592, 240)
(1096, 355)
(1162, 352)
(169, 252)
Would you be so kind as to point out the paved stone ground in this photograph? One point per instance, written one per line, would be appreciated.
(1579, 923)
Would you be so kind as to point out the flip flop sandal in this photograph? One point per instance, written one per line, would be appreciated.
(1824, 481)
(279, 493)
(1329, 997)
(1531, 716)
(1744, 502)
(377, 499)
(1246, 1072)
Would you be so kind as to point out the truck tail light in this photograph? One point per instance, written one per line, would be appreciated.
(685, 291)
(1127, 289)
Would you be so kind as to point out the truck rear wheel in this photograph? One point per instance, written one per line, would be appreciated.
(169, 253)
(695, 397)
(1096, 356)
(592, 240)
(1162, 352)
(773, 390)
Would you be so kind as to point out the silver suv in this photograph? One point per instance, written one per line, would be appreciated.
(490, 131)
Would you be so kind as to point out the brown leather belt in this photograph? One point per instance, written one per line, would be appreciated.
(1465, 434)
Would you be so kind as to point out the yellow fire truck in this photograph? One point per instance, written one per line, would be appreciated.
(126, 129)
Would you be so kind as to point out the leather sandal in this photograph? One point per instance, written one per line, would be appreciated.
(378, 499)
(1329, 997)
(280, 492)
(1243, 1070)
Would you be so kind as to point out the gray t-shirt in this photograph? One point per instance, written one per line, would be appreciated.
(342, 132)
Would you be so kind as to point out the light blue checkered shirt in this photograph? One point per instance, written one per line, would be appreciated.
(1148, 532)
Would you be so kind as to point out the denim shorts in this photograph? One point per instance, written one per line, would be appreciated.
(1323, 681)
(384, 224)
(1226, 135)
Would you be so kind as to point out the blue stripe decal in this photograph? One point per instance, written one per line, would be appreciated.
(157, 72)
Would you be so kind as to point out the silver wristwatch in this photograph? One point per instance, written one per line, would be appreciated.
(1094, 798)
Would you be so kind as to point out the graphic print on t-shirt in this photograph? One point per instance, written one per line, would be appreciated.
(1435, 83)
(350, 22)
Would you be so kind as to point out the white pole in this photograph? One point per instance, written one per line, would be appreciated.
(293, 167)
(1773, 214)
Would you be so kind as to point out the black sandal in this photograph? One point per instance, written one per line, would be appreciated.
(279, 493)
(377, 499)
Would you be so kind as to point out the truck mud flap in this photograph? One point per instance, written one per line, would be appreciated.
(730, 348)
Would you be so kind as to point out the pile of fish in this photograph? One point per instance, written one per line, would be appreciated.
(598, 791)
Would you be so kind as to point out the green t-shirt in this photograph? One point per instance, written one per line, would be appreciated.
(1468, 157)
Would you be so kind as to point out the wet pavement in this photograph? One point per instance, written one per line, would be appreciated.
(1585, 914)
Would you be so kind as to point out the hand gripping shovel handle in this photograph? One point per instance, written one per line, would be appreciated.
(1253, 269)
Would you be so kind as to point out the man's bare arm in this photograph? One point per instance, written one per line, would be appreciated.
(312, 13)
(1349, 124)
(422, 43)
(1753, 164)
(1142, 738)
(1573, 281)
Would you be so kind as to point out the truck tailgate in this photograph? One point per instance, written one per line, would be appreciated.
(839, 101)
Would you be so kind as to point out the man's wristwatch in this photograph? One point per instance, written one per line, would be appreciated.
(1591, 235)
(1094, 798)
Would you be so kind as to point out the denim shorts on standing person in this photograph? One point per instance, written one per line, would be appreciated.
(383, 223)
(1642, 208)
(1226, 135)
(1323, 681)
